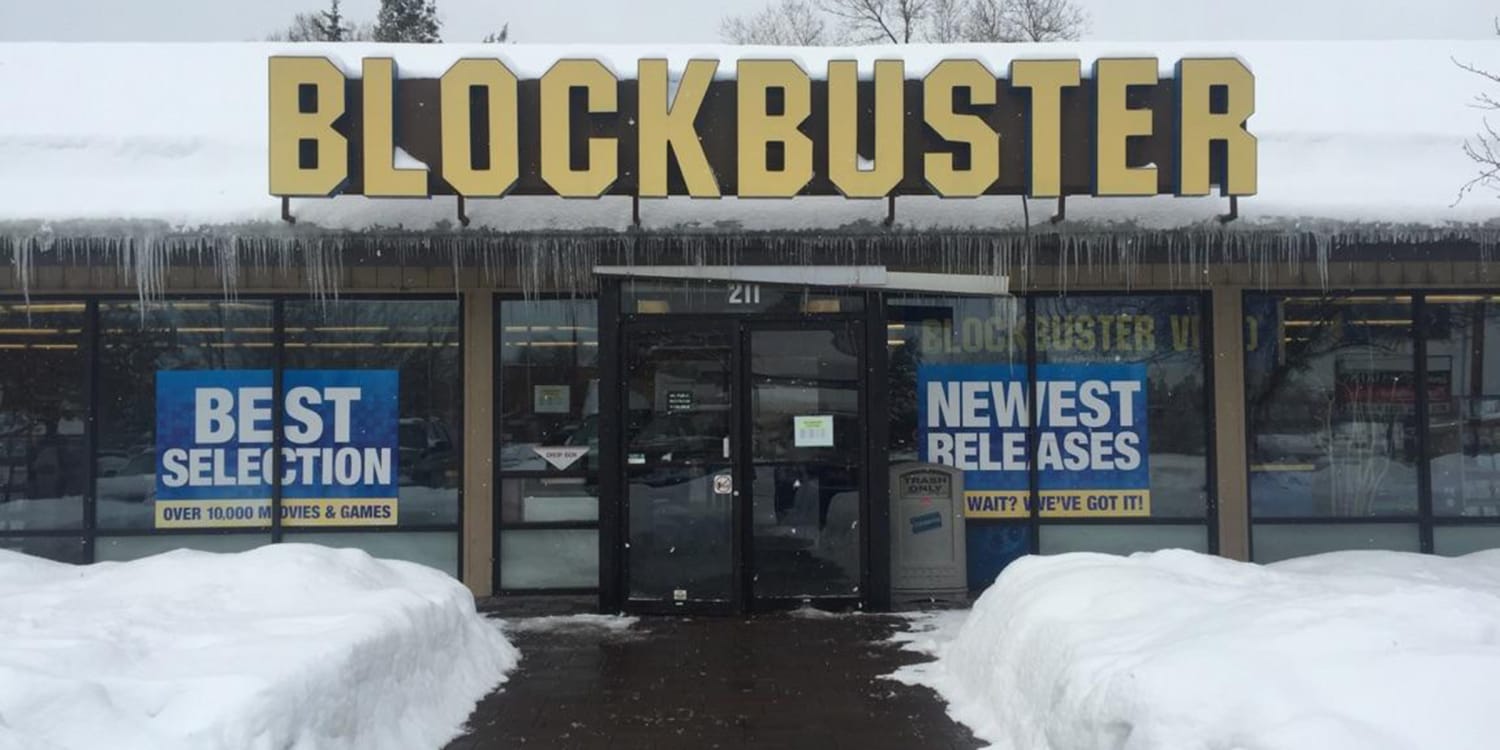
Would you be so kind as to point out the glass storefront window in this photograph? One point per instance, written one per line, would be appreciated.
(926, 336)
(548, 444)
(417, 343)
(1331, 406)
(549, 382)
(435, 549)
(183, 441)
(1463, 406)
(1280, 541)
(136, 346)
(549, 559)
(122, 548)
(68, 549)
(1122, 539)
(548, 500)
(42, 412)
(1154, 345)
(1121, 419)
(1462, 540)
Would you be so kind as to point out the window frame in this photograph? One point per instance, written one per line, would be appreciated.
(1208, 521)
(1424, 519)
(91, 343)
(590, 476)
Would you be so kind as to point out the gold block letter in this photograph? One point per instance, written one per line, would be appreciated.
(557, 128)
(458, 152)
(1199, 126)
(382, 178)
(843, 128)
(290, 127)
(666, 123)
(1046, 79)
(984, 142)
(1114, 124)
(758, 128)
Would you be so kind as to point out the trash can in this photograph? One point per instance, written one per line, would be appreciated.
(928, 558)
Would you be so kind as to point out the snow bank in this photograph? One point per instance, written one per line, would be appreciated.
(286, 646)
(1346, 651)
(1354, 132)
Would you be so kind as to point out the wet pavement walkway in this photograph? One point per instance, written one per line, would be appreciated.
(782, 681)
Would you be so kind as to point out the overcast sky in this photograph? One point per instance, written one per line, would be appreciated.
(595, 21)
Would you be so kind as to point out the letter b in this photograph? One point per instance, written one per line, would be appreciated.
(213, 420)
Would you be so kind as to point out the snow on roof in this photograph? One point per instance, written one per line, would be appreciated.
(1352, 132)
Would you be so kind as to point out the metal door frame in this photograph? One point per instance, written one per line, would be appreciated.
(745, 459)
(615, 325)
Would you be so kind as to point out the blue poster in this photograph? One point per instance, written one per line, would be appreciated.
(1091, 452)
(214, 455)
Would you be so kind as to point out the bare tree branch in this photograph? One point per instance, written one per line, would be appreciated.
(878, 21)
(791, 23)
(1484, 148)
(797, 22)
(1024, 21)
(945, 21)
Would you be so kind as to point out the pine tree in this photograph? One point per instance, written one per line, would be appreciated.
(408, 21)
(498, 37)
(331, 25)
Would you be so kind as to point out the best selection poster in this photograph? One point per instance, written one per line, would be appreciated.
(214, 451)
(1092, 453)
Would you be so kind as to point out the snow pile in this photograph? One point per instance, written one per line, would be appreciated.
(1345, 651)
(569, 624)
(177, 133)
(286, 646)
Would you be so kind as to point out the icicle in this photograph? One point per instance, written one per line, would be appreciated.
(21, 260)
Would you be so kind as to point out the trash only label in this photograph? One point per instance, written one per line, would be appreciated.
(1091, 451)
(215, 459)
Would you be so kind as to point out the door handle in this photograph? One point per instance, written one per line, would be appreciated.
(726, 446)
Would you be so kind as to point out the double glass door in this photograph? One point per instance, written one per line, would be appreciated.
(743, 448)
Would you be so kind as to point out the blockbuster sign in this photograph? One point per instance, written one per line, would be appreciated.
(762, 128)
(215, 460)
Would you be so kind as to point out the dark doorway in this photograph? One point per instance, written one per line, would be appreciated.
(741, 448)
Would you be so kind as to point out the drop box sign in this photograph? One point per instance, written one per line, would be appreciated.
(1091, 449)
(214, 450)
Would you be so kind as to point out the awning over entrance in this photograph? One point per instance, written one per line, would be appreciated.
(857, 277)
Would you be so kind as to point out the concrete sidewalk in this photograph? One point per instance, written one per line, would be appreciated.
(781, 681)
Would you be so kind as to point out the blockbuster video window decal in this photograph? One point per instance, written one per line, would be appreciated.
(763, 128)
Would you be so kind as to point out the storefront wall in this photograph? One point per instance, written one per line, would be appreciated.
(491, 355)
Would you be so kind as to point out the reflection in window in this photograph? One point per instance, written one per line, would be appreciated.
(420, 341)
(1463, 408)
(68, 549)
(135, 345)
(982, 331)
(548, 500)
(42, 401)
(549, 381)
(957, 330)
(1163, 333)
(1331, 403)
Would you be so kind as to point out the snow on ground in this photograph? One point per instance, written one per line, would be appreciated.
(177, 133)
(1173, 649)
(554, 623)
(287, 646)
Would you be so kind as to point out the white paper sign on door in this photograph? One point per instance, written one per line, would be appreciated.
(815, 431)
